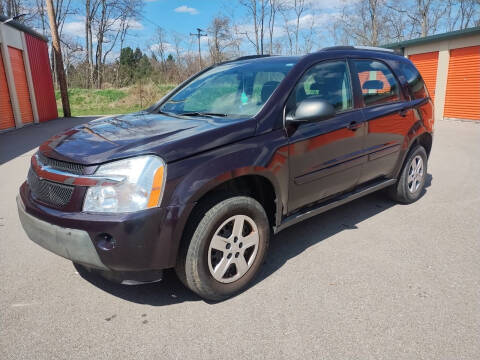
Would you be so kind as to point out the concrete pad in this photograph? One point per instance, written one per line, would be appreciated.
(369, 280)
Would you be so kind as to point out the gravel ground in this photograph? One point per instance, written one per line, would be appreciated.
(369, 280)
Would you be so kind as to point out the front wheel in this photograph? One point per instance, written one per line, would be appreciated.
(412, 178)
(226, 249)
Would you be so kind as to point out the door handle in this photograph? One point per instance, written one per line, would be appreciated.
(354, 125)
(403, 112)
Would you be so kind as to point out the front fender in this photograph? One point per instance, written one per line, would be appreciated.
(265, 155)
(188, 180)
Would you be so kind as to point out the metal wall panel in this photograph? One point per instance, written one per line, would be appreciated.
(463, 84)
(7, 120)
(42, 78)
(23, 95)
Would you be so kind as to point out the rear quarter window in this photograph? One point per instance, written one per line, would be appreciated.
(377, 82)
(416, 85)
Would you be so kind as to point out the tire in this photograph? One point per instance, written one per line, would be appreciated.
(409, 186)
(226, 249)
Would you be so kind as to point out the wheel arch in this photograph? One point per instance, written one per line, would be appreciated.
(419, 137)
(257, 186)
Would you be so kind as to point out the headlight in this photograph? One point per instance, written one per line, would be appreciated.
(141, 188)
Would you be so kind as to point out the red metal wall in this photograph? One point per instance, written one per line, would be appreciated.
(42, 78)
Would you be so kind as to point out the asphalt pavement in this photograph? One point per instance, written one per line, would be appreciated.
(369, 280)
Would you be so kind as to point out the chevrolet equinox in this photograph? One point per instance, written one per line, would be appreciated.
(199, 181)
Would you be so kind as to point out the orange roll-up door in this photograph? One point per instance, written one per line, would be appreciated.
(427, 64)
(7, 119)
(463, 84)
(23, 95)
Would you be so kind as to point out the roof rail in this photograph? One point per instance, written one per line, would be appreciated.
(241, 58)
(358, 47)
(340, 47)
(248, 57)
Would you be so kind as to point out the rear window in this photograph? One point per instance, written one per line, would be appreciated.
(415, 82)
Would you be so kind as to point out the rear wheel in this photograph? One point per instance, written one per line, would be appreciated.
(226, 249)
(412, 178)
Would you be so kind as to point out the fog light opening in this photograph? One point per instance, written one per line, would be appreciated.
(105, 241)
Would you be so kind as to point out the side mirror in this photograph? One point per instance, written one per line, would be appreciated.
(312, 109)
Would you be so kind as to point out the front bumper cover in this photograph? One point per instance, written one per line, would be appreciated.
(71, 244)
(144, 240)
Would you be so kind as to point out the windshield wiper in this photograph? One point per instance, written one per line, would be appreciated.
(166, 113)
(200, 113)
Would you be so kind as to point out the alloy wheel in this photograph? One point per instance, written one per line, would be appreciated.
(233, 248)
(415, 174)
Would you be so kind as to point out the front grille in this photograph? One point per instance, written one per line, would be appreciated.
(72, 168)
(49, 192)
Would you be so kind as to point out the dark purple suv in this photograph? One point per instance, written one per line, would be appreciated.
(244, 149)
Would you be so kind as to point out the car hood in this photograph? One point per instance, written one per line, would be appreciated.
(123, 136)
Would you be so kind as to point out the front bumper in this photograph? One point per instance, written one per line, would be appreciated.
(72, 244)
(143, 241)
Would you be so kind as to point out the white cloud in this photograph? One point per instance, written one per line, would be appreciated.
(74, 28)
(132, 24)
(186, 9)
(167, 47)
(323, 4)
(311, 20)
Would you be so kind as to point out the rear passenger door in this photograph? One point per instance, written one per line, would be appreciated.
(325, 157)
(388, 116)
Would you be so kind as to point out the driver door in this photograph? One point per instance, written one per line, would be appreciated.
(325, 157)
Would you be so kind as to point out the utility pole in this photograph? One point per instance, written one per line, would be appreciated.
(58, 59)
(199, 35)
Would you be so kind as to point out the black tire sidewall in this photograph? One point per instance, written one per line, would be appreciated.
(205, 283)
(411, 197)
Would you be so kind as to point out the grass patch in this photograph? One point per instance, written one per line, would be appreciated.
(113, 101)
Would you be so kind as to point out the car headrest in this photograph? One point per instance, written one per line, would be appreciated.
(372, 85)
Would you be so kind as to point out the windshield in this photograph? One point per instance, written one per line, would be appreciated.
(237, 89)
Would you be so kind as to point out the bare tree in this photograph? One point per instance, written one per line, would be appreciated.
(309, 36)
(160, 45)
(427, 15)
(423, 16)
(274, 6)
(177, 44)
(108, 22)
(287, 28)
(364, 22)
(91, 8)
(219, 38)
(299, 9)
(257, 10)
(461, 13)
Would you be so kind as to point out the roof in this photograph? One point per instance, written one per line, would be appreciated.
(19, 26)
(431, 38)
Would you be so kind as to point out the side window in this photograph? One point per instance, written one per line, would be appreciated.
(329, 81)
(415, 81)
(377, 82)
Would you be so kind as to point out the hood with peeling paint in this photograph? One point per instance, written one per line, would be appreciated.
(172, 138)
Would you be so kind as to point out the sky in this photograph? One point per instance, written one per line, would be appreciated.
(185, 16)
